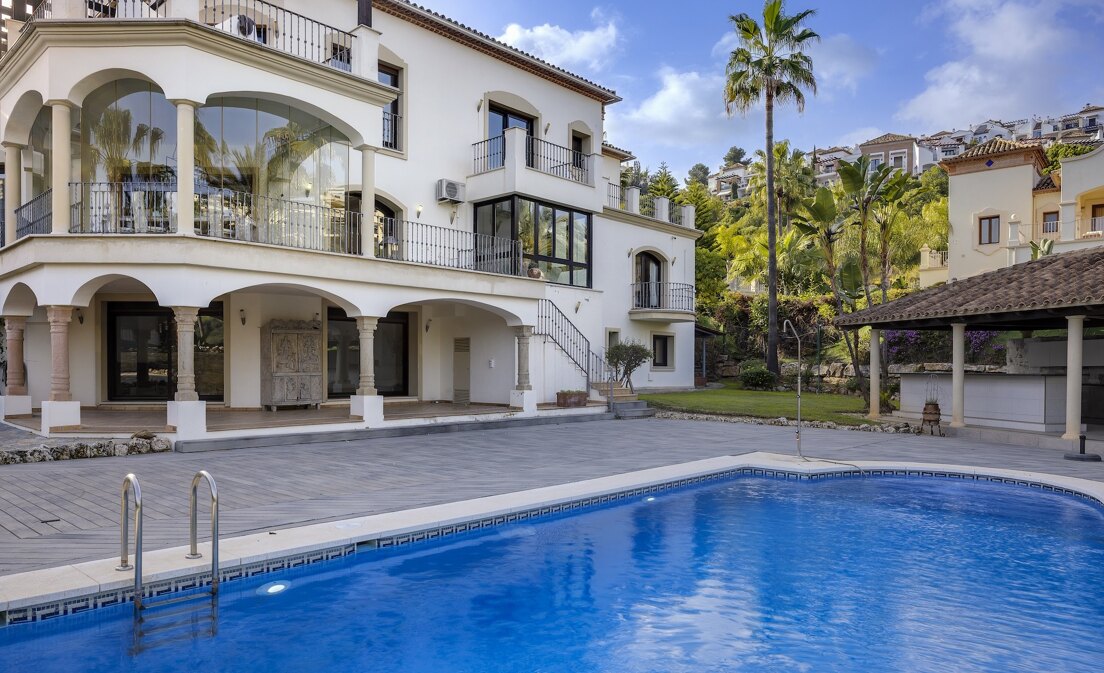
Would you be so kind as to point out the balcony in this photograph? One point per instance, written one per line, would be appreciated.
(630, 200)
(662, 302)
(150, 208)
(1082, 228)
(517, 163)
(254, 21)
(933, 266)
(392, 131)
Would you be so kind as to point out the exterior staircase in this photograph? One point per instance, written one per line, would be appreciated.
(632, 409)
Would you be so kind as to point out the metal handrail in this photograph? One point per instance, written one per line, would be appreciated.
(130, 483)
(557, 160)
(663, 296)
(615, 195)
(392, 125)
(268, 25)
(554, 324)
(35, 216)
(194, 550)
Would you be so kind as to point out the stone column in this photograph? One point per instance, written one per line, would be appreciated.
(13, 191)
(367, 201)
(524, 335)
(662, 206)
(632, 200)
(366, 326)
(186, 318)
(958, 375)
(14, 328)
(875, 373)
(61, 131)
(185, 166)
(1074, 357)
(59, 317)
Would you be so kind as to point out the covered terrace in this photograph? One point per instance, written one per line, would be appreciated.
(1049, 385)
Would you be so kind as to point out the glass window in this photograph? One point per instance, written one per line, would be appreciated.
(526, 229)
(562, 241)
(661, 350)
(544, 230)
(504, 219)
(990, 230)
(554, 239)
(1050, 222)
(581, 231)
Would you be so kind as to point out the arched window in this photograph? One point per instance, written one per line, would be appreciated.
(649, 281)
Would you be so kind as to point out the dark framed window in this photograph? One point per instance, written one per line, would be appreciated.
(1050, 222)
(989, 230)
(392, 120)
(555, 239)
(661, 350)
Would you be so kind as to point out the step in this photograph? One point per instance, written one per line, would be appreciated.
(636, 413)
(618, 405)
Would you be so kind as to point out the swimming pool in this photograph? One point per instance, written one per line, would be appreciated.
(745, 574)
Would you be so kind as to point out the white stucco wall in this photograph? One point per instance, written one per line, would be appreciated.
(1005, 192)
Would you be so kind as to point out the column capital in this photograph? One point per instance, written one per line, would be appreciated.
(59, 315)
(186, 101)
(366, 322)
(55, 102)
(185, 314)
(12, 145)
(524, 331)
(366, 148)
(15, 322)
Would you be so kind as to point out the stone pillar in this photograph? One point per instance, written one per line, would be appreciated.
(60, 317)
(185, 166)
(875, 374)
(13, 190)
(1074, 357)
(958, 375)
(186, 318)
(524, 335)
(1068, 227)
(925, 257)
(60, 411)
(367, 405)
(366, 326)
(14, 329)
(689, 217)
(61, 146)
(365, 56)
(662, 208)
(367, 201)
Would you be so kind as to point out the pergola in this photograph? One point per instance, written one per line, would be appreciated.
(1063, 291)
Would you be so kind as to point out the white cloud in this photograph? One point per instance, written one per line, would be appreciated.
(686, 111)
(591, 48)
(1006, 67)
(839, 62)
(724, 46)
(859, 135)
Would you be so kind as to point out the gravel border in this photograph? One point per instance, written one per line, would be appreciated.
(889, 428)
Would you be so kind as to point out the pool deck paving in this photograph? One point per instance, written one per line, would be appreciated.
(59, 513)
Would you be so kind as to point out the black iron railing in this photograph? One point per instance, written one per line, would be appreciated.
(122, 207)
(554, 324)
(408, 241)
(615, 197)
(663, 296)
(242, 216)
(392, 131)
(280, 29)
(35, 216)
(489, 154)
(563, 162)
(127, 9)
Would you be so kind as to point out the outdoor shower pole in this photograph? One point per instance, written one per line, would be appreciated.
(787, 324)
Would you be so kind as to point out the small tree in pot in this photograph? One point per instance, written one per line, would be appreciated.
(625, 358)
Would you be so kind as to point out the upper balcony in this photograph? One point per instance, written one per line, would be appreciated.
(516, 162)
(150, 209)
(1082, 228)
(630, 200)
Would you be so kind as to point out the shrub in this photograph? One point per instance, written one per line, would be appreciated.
(626, 357)
(757, 379)
(748, 365)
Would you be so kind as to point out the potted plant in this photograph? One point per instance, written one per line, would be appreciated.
(534, 270)
(571, 398)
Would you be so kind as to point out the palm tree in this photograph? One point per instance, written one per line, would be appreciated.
(865, 188)
(797, 259)
(770, 65)
(793, 180)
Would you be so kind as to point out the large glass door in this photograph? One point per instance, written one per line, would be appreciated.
(649, 281)
(141, 352)
(392, 342)
(498, 120)
(391, 355)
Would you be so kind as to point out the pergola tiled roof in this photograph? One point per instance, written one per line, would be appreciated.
(1033, 295)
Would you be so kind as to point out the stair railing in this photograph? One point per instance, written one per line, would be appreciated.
(553, 323)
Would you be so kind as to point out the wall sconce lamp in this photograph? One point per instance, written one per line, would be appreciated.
(418, 210)
(479, 105)
(241, 314)
(578, 305)
(547, 128)
(307, 188)
(629, 253)
(427, 325)
(318, 317)
(673, 261)
(80, 316)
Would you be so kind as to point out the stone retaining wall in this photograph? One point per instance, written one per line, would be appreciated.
(84, 449)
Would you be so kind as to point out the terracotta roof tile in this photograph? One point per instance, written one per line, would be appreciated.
(1046, 184)
(888, 138)
(1069, 280)
(995, 146)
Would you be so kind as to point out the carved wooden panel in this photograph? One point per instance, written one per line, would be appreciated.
(291, 363)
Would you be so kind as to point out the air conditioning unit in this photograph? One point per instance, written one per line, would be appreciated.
(450, 191)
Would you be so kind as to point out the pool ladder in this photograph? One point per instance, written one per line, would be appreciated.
(132, 486)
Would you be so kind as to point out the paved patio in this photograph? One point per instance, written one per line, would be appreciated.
(65, 512)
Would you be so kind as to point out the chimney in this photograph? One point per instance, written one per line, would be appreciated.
(364, 13)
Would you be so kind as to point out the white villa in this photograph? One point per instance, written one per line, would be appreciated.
(217, 206)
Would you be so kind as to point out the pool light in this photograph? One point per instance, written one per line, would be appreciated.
(273, 588)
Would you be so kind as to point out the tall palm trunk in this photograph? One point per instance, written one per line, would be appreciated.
(772, 243)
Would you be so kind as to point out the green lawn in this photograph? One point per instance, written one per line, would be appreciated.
(734, 401)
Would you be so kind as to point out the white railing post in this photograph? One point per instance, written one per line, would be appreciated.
(366, 52)
(1069, 220)
(69, 9)
(662, 208)
(689, 214)
(632, 200)
(184, 9)
(925, 257)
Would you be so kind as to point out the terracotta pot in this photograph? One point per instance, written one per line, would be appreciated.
(931, 412)
(571, 399)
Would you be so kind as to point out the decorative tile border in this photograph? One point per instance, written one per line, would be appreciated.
(74, 606)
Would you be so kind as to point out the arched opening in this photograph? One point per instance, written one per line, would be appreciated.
(20, 301)
(648, 282)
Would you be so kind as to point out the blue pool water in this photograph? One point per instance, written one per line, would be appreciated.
(750, 574)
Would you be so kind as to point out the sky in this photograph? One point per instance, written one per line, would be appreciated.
(902, 66)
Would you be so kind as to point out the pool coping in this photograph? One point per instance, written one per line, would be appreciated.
(70, 589)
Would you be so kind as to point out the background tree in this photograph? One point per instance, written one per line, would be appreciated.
(663, 183)
(1058, 151)
(734, 155)
(793, 179)
(863, 187)
(635, 176)
(699, 173)
(769, 65)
